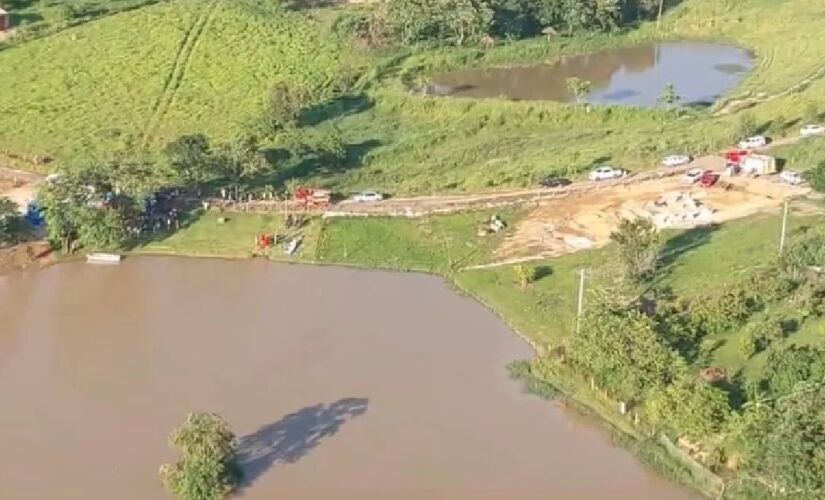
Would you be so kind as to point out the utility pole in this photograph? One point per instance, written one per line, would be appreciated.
(784, 229)
(580, 305)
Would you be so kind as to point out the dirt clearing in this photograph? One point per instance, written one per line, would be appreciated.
(566, 225)
(18, 186)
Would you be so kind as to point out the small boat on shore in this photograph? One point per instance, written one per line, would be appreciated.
(103, 258)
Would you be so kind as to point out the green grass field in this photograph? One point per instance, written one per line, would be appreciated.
(151, 74)
(183, 66)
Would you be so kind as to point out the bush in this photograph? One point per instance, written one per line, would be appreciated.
(747, 344)
(817, 178)
(745, 127)
(716, 313)
(786, 368)
(524, 275)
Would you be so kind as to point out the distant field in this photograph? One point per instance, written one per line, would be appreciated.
(152, 74)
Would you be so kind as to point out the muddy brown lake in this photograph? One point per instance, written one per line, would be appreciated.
(636, 76)
(339, 383)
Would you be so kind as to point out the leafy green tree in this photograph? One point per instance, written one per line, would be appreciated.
(190, 158)
(622, 351)
(669, 96)
(579, 88)
(240, 159)
(688, 406)
(9, 221)
(206, 469)
(466, 20)
(524, 275)
(811, 113)
(283, 107)
(101, 229)
(607, 14)
(638, 243)
(715, 312)
(817, 178)
(746, 126)
(786, 368)
(783, 442)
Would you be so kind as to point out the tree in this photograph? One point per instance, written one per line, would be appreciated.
(9, 220)
(786, 368)
(638, 242)
(466, 20)
(283, 107)
(622, 351)
(606, 14)
(190, 158)
(811, 113)
(745, 127)
(240, 159)
(524, 275)
(101, 228)
(783, 442)
(207, 468)
(817, 178)
(333, 147)
(669, 96)
(579, 88)
(689, 406)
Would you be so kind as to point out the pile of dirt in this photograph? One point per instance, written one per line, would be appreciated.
(678, 209)
(584, 221)
(32, 255)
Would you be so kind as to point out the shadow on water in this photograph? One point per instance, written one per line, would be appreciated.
(294, 436)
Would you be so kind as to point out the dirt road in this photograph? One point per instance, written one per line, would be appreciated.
(428, 205)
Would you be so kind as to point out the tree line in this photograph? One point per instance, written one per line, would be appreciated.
(459, 22)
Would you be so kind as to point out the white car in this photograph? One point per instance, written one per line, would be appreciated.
(755, 142)
(693, 175)
(811, 130)
(605, 173)
(791, 177)
(368, 196)
(676, 160)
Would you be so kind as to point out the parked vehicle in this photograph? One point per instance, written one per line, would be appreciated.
(368, 197)
(791, 177)
(693, 175)
(676, 160)
(708, 178)
(811, 130)
(759, 165)
(554, 182)
(755, 142)
(606, 173)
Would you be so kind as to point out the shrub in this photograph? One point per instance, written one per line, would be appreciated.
(524, 275)
(817, 178)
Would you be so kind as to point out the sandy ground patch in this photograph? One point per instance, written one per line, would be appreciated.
(20, 187)
(567, 225)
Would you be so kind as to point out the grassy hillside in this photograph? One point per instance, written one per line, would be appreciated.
(152, 74)
(183, 66)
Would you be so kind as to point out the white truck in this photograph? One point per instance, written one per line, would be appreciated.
(758, 165)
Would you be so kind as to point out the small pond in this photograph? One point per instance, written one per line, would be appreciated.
(633, 76)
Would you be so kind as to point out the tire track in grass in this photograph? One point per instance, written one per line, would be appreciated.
(176, 75)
